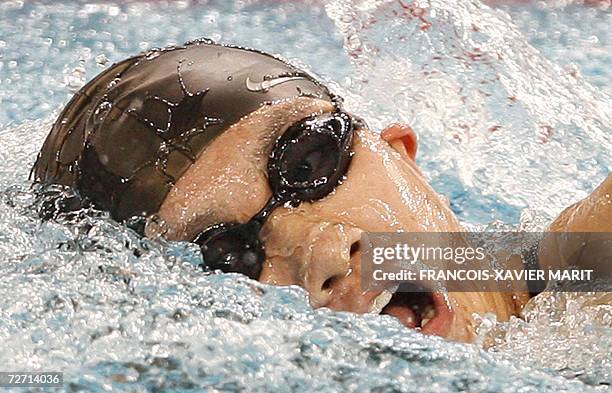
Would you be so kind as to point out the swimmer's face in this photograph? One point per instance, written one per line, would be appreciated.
(316, 244)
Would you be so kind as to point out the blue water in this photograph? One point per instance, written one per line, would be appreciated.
(40, 39)
(86, 296)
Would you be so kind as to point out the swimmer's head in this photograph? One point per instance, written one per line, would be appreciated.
(258, 163)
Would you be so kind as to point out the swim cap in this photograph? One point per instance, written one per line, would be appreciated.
(129, 134)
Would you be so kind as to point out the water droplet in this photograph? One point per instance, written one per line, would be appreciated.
(74, 78)
(155, 226)
(101, 111)
(114, 82)
(181, 5)
(101, 60)
(114, 10)
(353, 43)
(152, 54)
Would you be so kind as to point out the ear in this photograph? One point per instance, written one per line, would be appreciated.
(402, 138)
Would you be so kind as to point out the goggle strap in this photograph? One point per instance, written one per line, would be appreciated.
(264, 213)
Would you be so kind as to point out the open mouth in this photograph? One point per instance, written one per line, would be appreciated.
(416, 308)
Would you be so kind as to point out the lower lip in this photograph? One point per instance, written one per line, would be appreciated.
(440, 324)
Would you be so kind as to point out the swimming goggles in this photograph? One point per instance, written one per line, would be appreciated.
(306, 164)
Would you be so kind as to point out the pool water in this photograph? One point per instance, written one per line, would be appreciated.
(513, 110)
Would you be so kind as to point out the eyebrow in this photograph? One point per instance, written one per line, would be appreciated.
(269, 139)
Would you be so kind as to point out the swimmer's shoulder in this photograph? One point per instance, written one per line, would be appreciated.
(582, 235)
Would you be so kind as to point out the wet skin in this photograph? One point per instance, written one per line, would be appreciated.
(316, 245)
(592, 218)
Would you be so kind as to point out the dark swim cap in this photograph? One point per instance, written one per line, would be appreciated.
(129, 134)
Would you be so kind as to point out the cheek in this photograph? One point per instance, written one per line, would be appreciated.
(383, 193)
(369, 198)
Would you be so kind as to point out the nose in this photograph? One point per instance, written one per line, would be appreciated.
(322, 258)
(328, 284)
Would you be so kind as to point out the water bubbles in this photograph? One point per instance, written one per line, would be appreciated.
(114, 82)
(152, 54)
(11, 4)
(74, 78)
(560, 330)
(532, 221)
(353, 43)
(486, 324)
(101, 111)
(101, 60)
(457, 83)
(182, 4)
(113, 10)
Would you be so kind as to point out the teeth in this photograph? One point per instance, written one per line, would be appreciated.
(410, 320)
(429, 312)
(425, 321)
(380, 302)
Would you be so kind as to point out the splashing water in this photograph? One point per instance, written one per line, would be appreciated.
(506, 134)
(493, 115)
(570, 320)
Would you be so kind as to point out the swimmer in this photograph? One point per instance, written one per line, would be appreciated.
(259, 164)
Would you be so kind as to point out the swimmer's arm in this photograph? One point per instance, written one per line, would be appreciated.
(592, 214)
(591, 247)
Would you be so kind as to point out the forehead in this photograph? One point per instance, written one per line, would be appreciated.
(228, 182)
